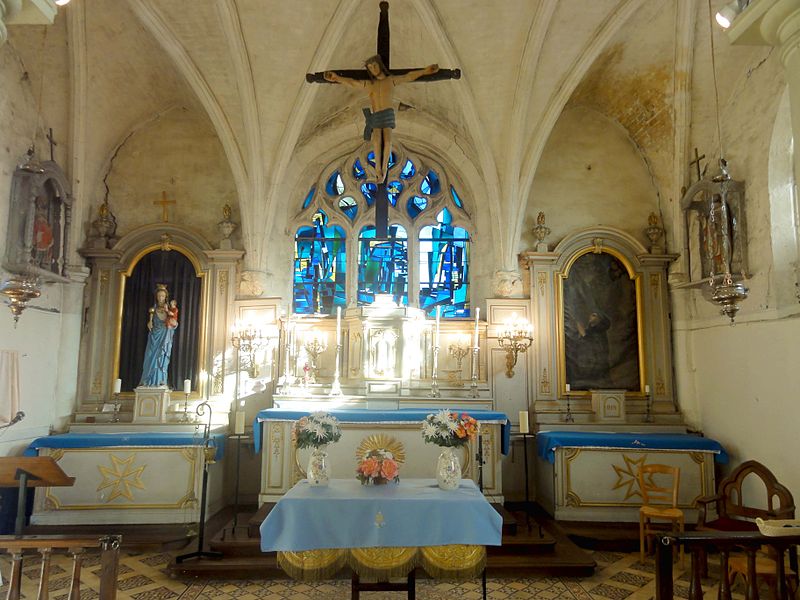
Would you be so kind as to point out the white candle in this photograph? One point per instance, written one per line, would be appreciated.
(117, 386)
(524, 427)
(477, 318)
(238, 427)
(187, 386)
(438, 315)
(646, 389)
(338, 325)
(567, 387)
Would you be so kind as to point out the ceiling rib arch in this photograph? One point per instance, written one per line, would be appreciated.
(155, 23)
(300, 109)
(463, 92)
(555, 105)
(248, 205)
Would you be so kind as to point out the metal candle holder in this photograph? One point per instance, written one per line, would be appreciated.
(648, 414)
(115, 416)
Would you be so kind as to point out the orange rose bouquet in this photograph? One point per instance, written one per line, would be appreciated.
(449, 429)
(378, 467)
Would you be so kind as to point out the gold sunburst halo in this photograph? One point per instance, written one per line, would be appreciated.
(381, 441)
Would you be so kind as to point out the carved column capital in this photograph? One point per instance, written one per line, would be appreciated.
(8, 8)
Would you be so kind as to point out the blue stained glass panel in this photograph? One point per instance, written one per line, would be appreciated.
(431, 184)
(310, 197)
(368, 190)
(416, 204)
(456, 198)
(358, 170)
(335, 185)
(444, 269)
(349, 207)
(319, 267)
(408, 170)
(383, 265)
(394, 189)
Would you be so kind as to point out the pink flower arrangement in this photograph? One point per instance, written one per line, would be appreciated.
(378, 467)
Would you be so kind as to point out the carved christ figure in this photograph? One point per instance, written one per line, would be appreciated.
(380, 120)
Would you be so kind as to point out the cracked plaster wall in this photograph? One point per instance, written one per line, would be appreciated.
(177, 152)
(47, 342)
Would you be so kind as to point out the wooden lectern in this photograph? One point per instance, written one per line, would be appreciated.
(33, 471)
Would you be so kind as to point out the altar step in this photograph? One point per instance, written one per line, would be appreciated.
(530, 547)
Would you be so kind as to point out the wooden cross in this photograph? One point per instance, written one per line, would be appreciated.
(696, 161)
(52, 141)
(164, 203)
(382, 195)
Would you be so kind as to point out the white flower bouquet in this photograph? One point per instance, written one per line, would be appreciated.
(449, 429)
(315, 430)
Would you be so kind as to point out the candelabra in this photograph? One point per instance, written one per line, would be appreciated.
(515, 337)
(287, 379)
(315, 344)
(247, 340)
(458, 350)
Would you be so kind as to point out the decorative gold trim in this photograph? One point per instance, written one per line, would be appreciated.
(560, 276)
(544, 382)
(570, 454)
(52, 500)
(542, 279)
(223, 282)
(381, 441)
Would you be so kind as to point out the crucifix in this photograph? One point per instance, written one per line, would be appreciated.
(696, 161)
(379, 80)
(164, 204)
(53, 143)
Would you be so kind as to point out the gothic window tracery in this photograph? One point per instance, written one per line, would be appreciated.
(425, 258)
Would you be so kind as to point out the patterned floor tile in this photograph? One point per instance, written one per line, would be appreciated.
(614, 592)
(633, 579)
(159, 593)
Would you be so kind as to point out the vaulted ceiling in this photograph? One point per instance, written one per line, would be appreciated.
(243, 62)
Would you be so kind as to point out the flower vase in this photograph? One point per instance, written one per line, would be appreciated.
(448, 470)
(318, 472)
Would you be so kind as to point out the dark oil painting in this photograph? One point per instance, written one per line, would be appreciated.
(601, 337)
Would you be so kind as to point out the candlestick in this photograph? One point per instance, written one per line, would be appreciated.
(336, 386)
(187, 386)
(477, 318)
(338, 325)
(117, 386)
(524, 426)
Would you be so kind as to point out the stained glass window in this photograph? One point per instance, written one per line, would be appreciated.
(444, 267)
(309, 198)
(383, 265)
(319, 267)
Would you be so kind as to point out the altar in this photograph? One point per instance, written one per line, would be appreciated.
(592, 476)
(282, 465)
(128, 478)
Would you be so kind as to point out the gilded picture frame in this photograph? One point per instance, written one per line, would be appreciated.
(600, 326)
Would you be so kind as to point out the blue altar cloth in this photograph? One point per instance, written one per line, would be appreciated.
(103, 440)
(346, 514)
(548, 441)
(402, 415)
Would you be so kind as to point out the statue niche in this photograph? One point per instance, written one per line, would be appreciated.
(155, 271)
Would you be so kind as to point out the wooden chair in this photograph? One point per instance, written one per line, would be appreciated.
(732, 514)
(659, 502)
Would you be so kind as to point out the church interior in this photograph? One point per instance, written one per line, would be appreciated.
(578, 222)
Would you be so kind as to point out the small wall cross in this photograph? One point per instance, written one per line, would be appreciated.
(164, 206)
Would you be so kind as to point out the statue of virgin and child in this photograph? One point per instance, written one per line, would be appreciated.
(161, 324)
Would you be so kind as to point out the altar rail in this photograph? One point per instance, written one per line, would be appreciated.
(698, 542)
(77, 547)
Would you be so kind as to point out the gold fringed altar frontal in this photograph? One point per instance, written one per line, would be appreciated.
(442, 562)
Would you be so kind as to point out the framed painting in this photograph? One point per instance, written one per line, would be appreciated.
(600, 323)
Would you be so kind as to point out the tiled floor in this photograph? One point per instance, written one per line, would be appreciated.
(143, 577)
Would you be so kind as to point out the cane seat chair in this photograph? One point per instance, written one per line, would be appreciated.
(659, 486)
